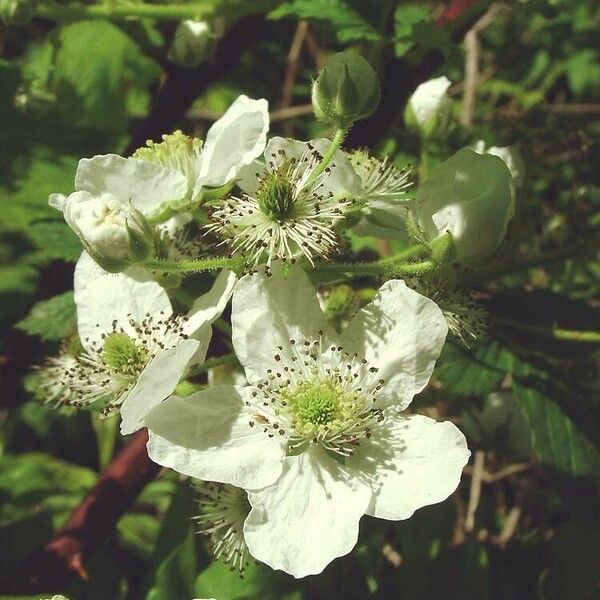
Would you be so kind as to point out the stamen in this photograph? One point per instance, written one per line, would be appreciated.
(317, 395)
(106, 371)
(223, 510)
(290, 215)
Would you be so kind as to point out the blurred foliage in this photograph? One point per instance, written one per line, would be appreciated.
(529, 401)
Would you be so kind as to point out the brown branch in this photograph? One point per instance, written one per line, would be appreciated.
(475, 492)
(63, 559)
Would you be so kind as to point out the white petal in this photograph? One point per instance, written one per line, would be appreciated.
(236, 139)
(102, 298)
(428, 98)
(412, 462)
(342, 180)
(207, 435)
(156, 382)
(209, 306)
(401, 333)
(248, 178)
(57, 201)
(145, 184)
(268, 312)
(307, 518)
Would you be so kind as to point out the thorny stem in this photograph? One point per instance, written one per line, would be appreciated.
(211, 363)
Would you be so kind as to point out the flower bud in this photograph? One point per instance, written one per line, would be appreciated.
(471, 197)
(429, 106)
(194, 43)
(346, 90)
(511, 155)
(18, 12)
(113, 234)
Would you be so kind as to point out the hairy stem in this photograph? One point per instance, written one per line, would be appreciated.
(184, 267)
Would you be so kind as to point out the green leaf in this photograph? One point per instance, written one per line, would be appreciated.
(474, 372)
(560, 438)
(26, 199)
(407, 15)
(52, 319)
(175, 575)
(38, 482)
(96, 65)
(348, 24)
(56, 240)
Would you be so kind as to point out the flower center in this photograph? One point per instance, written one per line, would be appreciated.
(276, 196)
(122, 355)
(319, 396)
(177, 151)
(314, 403)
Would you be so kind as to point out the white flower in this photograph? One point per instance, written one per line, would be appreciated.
(109, 189)
(223, 510)
(317, 436)
(429, 100)
(511, 155)
(232, 142)
(286, 212)
(134, 349)
(470, 196)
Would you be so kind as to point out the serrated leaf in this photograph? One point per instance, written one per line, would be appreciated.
(52, 319)
(474, 372)
(560, 439)
(56, 240)
(407, 15)
(95, 63)
(348, 24)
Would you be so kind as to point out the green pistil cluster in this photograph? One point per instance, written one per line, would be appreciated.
(276, 196)
(122, 355)
(174, 145)
(320, 407)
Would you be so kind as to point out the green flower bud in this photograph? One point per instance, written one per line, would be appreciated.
(194, 43)
(346, 90)
(471, 197)
(18, 12)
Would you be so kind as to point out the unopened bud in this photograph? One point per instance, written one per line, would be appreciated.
(194, 43)
(114, 235)
(18, 12)
(469, 196)
(428, 108)
(346, 90)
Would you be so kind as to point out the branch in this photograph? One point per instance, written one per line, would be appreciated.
(92, 522)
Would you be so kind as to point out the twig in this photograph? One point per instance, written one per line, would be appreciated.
(64, 558)
(472, 49)
(291, 112)
(475, 491)
(510, 526)
(487, 477)
(293, 64)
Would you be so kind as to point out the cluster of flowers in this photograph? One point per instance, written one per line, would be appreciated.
(291, 453)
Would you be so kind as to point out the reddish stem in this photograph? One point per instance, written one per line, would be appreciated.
(64, 557)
